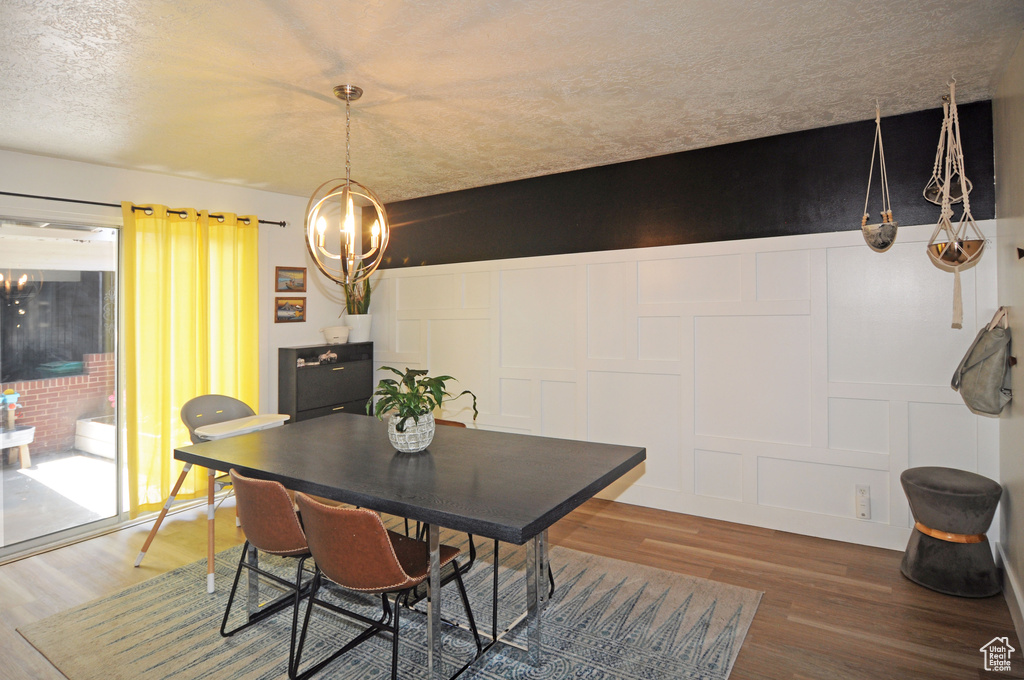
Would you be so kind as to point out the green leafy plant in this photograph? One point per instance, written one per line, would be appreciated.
(415, 394)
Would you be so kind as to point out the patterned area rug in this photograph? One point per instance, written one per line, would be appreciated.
(607, 619)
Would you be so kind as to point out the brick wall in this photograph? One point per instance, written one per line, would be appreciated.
(54, 404)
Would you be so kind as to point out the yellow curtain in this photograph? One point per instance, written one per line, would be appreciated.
(191, 313)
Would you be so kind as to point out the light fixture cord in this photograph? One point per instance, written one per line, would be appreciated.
(348, 140)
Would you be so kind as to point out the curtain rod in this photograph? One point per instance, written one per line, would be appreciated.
(179, 213)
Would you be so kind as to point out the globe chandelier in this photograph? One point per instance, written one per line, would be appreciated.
(335, 236)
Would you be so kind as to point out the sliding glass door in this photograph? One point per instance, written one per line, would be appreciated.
(58, 359)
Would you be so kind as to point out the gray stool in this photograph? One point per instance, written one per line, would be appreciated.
(948, 550)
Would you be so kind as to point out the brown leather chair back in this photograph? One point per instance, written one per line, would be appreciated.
(267, 516)
(352, 547)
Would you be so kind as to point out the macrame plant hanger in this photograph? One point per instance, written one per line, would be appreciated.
(953, 249)
(879, 237)
(933, 190)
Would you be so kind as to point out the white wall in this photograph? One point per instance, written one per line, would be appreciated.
(1008, 121)
(27, 174)
(766, 378)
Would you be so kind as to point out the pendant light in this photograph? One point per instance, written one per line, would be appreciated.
(334, 218)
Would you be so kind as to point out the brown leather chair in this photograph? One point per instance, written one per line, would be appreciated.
(270, 524)
(352, 548)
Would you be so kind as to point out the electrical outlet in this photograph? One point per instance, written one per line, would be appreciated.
(862, 501)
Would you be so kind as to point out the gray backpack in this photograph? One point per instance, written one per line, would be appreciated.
(983, 376)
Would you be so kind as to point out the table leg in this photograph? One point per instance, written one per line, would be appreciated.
(542, 570)
(210, 508)
(434, 665)
(536, 595)
(253, 577)
(494, 597)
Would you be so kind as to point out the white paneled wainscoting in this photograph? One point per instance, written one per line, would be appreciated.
(767, 378)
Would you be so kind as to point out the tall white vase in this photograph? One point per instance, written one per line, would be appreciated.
(360, 325)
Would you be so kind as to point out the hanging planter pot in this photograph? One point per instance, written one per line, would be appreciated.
(956, 253)
(881, 236)
(955, 248)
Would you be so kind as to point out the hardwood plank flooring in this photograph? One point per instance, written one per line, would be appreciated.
(830, 610)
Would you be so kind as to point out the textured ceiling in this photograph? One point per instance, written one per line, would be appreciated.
(466, 94)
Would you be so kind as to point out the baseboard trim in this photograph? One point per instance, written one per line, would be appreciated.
(1012, 591)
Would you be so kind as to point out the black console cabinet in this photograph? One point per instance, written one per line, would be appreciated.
(305, 392)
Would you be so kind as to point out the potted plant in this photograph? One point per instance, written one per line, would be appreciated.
(413, 397)
(357, 308)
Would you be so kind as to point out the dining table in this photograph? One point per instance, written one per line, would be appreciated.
(505, 486)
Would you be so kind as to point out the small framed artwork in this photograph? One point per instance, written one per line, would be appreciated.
(289, 279)
(289, 309)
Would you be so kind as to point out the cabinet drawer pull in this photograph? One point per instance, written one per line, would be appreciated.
(339, 368)
(338, 408)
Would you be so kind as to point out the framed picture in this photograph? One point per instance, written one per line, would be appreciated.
(289, 279)
(289, 309)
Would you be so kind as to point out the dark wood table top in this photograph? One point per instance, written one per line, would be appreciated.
(492, 484)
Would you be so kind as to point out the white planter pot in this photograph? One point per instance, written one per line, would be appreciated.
(360, 327)
(416, 436)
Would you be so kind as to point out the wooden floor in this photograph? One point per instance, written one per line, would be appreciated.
(830, 610)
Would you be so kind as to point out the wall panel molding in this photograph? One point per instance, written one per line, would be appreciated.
(834, 434)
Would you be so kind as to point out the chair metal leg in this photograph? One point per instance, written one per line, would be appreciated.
(472, 556)
(292, 662)
(234, 588)
(374, 627)
(469, 611)
(270, 608)
(293, 668)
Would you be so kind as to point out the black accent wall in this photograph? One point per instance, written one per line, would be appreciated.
(799, 183)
